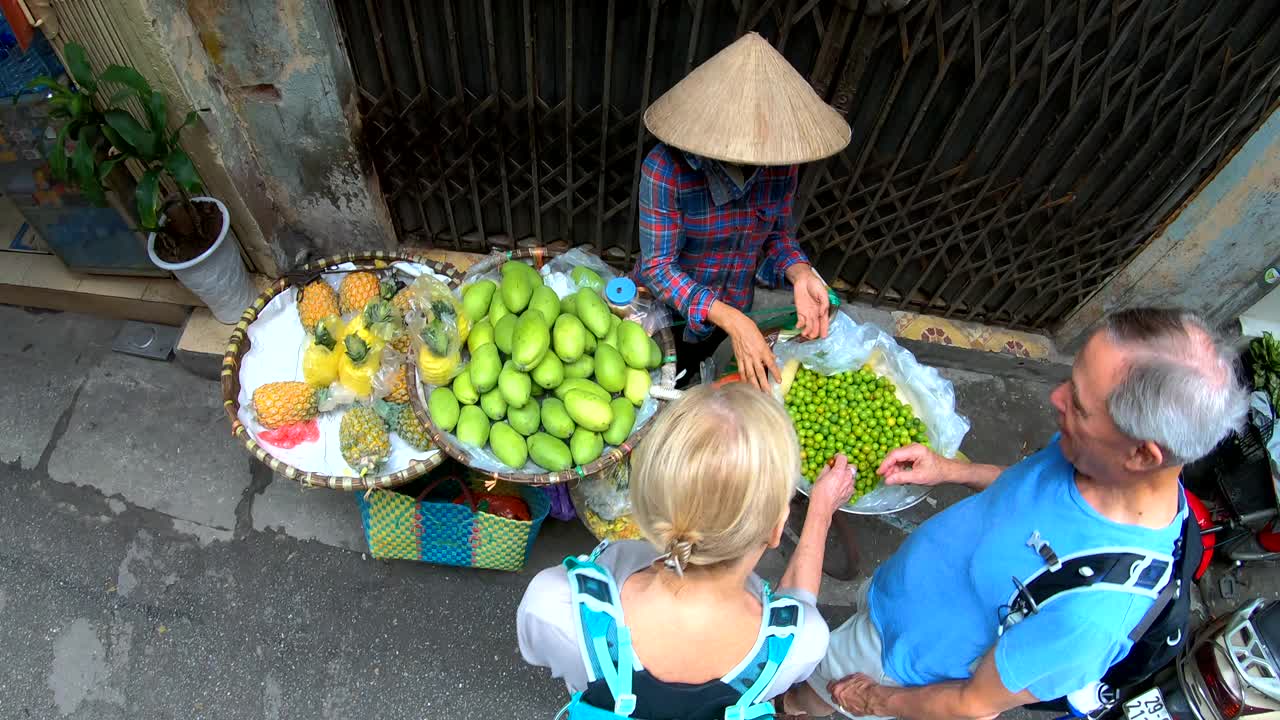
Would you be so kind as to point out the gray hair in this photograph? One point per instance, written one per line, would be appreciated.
(1181, 389)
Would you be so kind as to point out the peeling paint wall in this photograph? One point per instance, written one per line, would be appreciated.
(275, 69)
(1211, 257)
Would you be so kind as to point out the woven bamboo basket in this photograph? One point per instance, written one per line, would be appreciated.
(537, 257)
(240, 344)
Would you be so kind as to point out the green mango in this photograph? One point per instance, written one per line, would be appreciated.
(504, 331)
(611, 371)
(555, 419)
(633, 343)
(481, 334)
(493, 404)
(546, 301)
(586, 446)
(508, 445)
(484, 368)
(590, 346)
(584, 276)
(655, 355)
(614, 320)
(593, 312)
(550, 452)
(516, 291)
(443, 407)
(610, 338)
(622, 422)
(476, 299)
(583, 367)
(569, 338)
(530, 342)
(497, 310)
(637, 387)
(549, 373)
(585, 386)
(569, 305)
(537, 390)
(525, 419)
(473, 426)
(465, 390)
(589, 410)
(514, 385)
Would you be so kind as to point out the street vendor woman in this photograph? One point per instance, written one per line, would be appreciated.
(716, 200)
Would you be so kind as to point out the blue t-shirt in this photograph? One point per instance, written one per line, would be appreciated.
(937, 602)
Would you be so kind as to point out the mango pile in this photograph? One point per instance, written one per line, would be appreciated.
(549, 380)
(857, 413)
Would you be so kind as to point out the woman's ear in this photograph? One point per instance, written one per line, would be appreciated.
(775, 537)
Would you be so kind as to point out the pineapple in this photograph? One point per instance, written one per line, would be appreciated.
(357, 290)
(399, 384)
(320, 360)
(358, 365)
(403, 301)
(316, 301)
(284, 403)
(411, 430)
(364, 440)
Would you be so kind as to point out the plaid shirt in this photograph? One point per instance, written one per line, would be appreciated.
(694, 252)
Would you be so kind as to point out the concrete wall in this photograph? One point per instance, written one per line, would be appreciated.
(1212, 256)
(285, 75)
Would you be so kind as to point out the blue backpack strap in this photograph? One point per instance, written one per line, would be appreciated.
(598, 611)
(784, 619)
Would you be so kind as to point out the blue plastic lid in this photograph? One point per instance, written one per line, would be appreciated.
(620, 291)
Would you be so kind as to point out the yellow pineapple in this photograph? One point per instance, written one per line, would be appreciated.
(403, 301)
(316, 301)
(357, 290)
(399, 384)
(364, 440)
(284, 403)
(320, 360)
(358, 364)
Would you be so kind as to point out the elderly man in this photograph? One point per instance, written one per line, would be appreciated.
(939, 635)
(716, 200)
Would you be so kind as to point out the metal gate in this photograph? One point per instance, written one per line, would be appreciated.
(1008, 156)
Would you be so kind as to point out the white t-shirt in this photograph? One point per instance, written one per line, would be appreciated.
(549, 638)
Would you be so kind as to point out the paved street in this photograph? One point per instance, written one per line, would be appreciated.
(149, 569)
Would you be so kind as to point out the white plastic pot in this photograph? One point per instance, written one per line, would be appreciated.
(217, 276)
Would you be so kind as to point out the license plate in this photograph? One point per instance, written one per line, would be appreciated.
(1147, 706)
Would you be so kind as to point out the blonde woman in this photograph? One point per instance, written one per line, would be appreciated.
(680, 626)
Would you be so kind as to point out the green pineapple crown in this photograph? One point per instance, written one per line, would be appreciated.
(382, 319)
(324, 336)
(357, 348)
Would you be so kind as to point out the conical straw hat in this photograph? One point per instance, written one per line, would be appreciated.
(747, 105)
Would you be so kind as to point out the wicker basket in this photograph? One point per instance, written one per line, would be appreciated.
(537, 257)
(239, 345)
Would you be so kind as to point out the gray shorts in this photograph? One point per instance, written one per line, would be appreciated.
(855, 647)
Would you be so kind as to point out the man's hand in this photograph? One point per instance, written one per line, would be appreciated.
(859, 695)
(916, 465)
(812, 302)
(834, 486)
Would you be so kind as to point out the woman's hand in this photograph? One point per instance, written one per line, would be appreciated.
(834, 486)
(756, 362)
(812, 302)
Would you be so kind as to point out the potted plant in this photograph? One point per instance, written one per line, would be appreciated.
(188, 234)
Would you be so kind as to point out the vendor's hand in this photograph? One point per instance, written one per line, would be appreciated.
(812, 302)
(834, 486)
(756, 362)
(916, 465)
(859, 695)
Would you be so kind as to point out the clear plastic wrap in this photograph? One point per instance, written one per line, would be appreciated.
(851, 345)
(437, 329)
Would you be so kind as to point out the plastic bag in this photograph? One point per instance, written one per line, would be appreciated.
(437, 328)
(850, 345)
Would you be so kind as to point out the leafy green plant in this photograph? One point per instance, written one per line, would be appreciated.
(97, 136)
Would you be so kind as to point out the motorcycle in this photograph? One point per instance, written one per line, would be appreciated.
(1229, 671)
